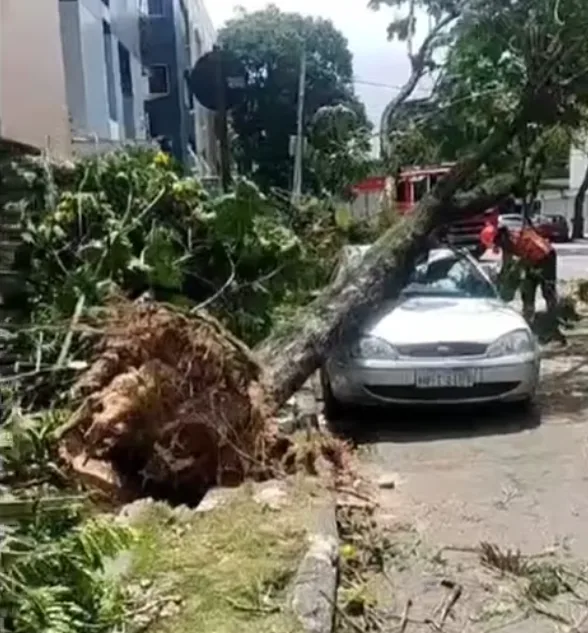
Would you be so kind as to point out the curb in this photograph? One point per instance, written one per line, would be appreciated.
(314, 591)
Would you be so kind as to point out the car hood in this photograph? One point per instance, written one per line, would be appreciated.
(446, 319)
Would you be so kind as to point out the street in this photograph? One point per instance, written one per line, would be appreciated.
(460, 478)
(573, 260)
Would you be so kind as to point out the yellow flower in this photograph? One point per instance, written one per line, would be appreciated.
(161, 159)
(348, 552)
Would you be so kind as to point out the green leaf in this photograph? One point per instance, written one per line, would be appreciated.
(160, 259)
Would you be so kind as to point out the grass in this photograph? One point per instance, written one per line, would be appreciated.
(231, 565)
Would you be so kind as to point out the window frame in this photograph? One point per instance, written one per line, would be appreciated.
(108, 53)
(167, 78)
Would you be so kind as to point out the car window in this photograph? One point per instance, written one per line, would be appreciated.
(450, 276)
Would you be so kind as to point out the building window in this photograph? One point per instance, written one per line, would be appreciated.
(155, 8)
(158, 80)
(110, 81)
(126, 76)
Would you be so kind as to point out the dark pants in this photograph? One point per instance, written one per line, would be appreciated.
(543, 275)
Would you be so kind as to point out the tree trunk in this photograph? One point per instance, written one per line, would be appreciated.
(578, 221)
(339, 312)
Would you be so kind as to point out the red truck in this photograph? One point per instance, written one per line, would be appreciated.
(411, 184)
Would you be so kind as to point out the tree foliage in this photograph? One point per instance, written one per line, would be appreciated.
(52, 555)
(128, 222)
(52, 578)
(270, 43)
(506, 63)
(338, 150)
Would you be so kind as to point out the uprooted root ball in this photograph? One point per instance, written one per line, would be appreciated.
(171, 405)
(172, 401)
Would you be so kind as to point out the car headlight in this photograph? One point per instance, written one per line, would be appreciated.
(371, 347)
(517, 342)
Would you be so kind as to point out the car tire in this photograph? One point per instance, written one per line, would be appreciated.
(333, 409)
(524, 407)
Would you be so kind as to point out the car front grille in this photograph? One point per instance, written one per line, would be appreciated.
(410, 392)
(442, 350)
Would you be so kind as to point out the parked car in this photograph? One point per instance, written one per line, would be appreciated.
(448, 339)
(554, 227)
(512, 221)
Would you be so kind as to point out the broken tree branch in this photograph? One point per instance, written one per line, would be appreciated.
(453, 598)
(418, 64)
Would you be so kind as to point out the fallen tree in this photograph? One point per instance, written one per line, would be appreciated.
(172, 403)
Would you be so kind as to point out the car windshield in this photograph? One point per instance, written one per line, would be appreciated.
(453, 276)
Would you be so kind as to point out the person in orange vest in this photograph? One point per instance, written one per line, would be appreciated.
(539, 260)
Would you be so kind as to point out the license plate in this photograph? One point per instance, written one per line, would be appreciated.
(439, 378)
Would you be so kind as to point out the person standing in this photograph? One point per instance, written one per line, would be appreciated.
(539, 260)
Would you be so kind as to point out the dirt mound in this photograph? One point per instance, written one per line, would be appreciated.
(171, 405)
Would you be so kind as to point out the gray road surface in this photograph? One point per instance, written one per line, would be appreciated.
(463, 477)
(573, 260)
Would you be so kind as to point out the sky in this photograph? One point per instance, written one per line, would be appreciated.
(375, 60)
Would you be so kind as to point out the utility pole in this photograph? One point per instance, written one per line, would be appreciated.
(297, 180)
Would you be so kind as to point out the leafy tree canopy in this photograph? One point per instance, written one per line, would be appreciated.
(270, 43)
(521, 65)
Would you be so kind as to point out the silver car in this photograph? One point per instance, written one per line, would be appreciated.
(448, 338)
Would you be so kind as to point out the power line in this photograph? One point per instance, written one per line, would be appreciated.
(376, 84)
(448, 104)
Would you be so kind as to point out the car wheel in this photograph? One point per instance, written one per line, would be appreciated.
(333, 409)
(524, 407)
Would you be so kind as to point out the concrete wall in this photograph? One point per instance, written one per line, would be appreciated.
(33, 105)
(84, 52)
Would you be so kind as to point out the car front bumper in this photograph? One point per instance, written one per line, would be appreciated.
(507, 379)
